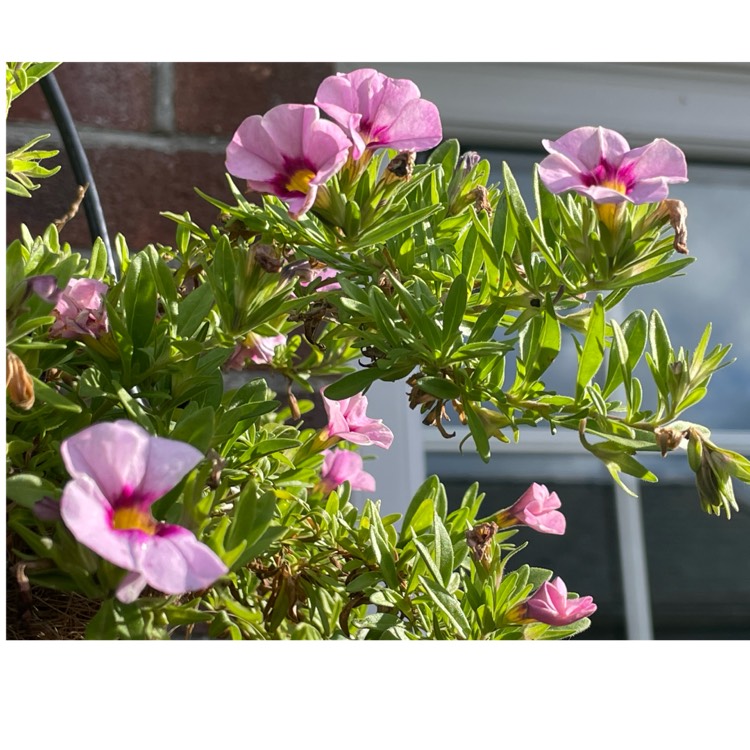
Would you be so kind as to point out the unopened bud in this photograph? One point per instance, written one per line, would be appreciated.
(695, 450)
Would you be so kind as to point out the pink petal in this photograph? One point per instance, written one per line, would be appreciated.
(658, 159)
(600, 194)
(113, 454)
(252, 153)
(327, 148)
(286, 125)
(88, 516)
(345, 94)
(299, 205)
(587, 146)
(560, 173)
(375, 434)
(130, 587)
(336, 421)
(417, 127)
(167, 463)
(175, 562)
(341, 466)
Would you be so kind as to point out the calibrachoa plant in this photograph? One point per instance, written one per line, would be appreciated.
(145, 482)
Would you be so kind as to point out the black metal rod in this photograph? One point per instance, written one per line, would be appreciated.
(81, 169)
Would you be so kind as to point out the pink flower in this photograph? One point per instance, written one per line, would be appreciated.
(118, 471)
(536, 508)
(258, 349)
(288, 152)
(79, 310)
(550, 605)
(341, 466)
(347, 420)
(599, 163)
(380, 112)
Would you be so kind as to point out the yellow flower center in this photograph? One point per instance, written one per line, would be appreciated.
(299, 182)
(617, 185)
(133, 518)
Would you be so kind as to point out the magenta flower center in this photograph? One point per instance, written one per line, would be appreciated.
(610, 176)
(131, 511)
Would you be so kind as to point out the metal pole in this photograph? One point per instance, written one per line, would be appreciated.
(630, 537)
(80, 164)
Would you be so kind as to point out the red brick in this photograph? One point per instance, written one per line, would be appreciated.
(214, 98)
(134, 186)
(108, 95)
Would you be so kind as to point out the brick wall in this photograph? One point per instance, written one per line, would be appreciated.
(152, 132)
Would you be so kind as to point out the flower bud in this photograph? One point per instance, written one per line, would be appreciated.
(466, 164)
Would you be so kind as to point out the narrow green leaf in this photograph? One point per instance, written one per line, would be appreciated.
(449, 605)
(454, 308)
(593, 348)
(353, 383)
(443, 550)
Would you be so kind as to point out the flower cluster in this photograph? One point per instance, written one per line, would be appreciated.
(290, 152)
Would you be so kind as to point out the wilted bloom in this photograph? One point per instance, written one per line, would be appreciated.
(118, 471)
(347, 420)
(599, 163)
(380, 112)
(341, 466)
(18, 382)
(80, 311)
(258, 349)
(550, 605)
(537, 508)
(288, 152)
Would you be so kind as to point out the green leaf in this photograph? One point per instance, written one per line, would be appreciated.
(193, 310)
(425, 495)
(443, 550)
(196, 428)
(440, 387)
(448, 604)
(382, 550)
(454, 308)
(593, 348)
(253, 514)
(50, 396)
(27, 489)
(353, 383)
(384, 231)
(139, 300)
(661, 346)
(98, 263)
